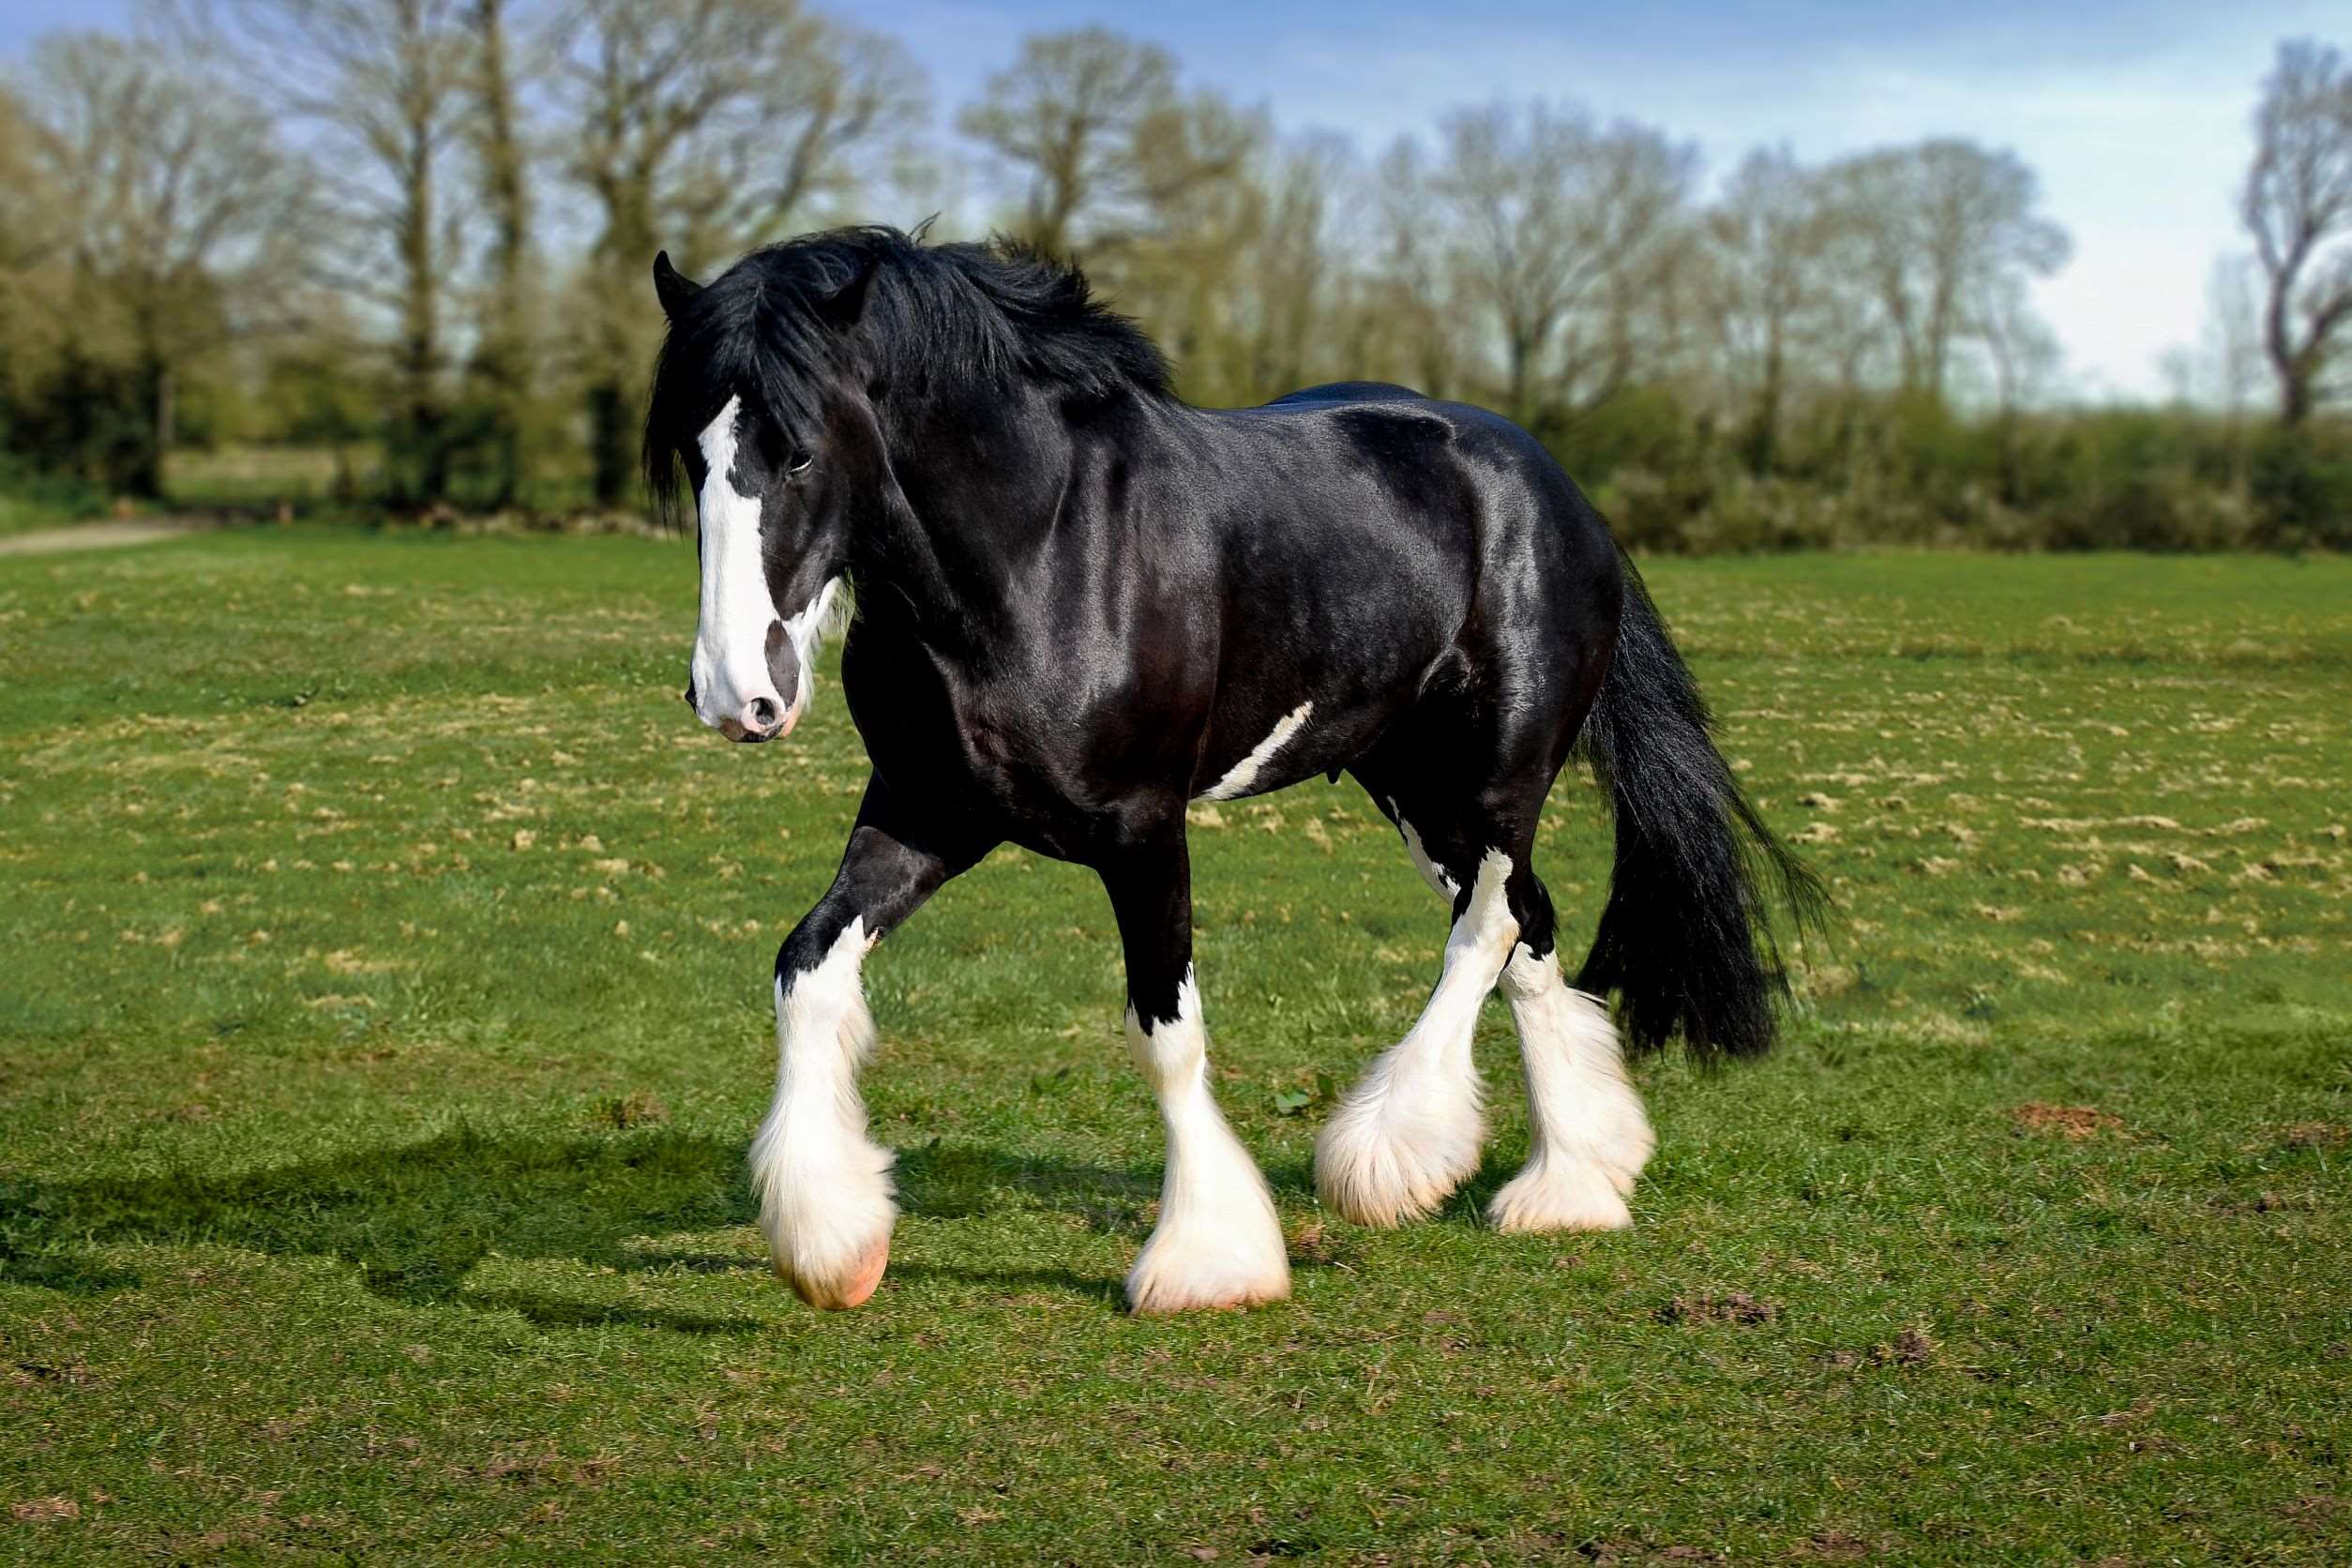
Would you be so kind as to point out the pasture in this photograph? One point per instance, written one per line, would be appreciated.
(386, 1012)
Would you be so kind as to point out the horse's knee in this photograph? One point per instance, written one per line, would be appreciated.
(812, 941)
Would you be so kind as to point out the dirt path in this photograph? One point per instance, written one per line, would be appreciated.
(100, 535)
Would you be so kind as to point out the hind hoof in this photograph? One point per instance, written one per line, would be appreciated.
(852, 1287)
(1373, 1175)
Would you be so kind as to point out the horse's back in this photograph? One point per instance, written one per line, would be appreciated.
(1388, 554)
(1461, 464)
(1351, 392)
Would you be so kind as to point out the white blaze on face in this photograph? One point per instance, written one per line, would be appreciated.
(731, 660)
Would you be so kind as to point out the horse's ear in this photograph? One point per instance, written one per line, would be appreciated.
(846, 304)
(675, 287)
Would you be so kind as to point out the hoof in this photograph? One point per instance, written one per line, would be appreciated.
(1163, 1297)
(848, 1289)
(1551, 1198)
(1372, 1176)
(1395, 1149)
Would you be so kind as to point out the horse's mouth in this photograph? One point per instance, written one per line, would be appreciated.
(735, 730)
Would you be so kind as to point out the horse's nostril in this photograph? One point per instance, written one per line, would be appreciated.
(761, 715)
(688, 694)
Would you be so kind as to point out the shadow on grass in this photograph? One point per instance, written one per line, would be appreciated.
(1108, 1292)
(559, 1312)
(416, 1220)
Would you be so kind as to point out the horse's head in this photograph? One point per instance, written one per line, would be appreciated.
(771, 440)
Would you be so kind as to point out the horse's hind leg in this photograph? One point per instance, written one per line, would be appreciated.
(1587, 1135)
(1409, 1132)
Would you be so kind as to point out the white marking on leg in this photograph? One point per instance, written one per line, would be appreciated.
(1217, 1243)
(1589, 1136)
(1409, 1132)
(823, 1185)
(730, 660)
(1441, 880)
(1239, 778)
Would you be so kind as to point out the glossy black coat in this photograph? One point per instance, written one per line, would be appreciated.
(1081, 602)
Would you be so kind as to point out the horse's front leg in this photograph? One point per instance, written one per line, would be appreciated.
(823, 1185)
(1217, 1244)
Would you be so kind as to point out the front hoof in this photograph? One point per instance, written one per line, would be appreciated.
(1162, 1293)
(1562, 1198)
(841, 1291)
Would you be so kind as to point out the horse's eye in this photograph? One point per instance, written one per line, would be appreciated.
(800, 460)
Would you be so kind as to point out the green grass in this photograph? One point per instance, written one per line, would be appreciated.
(345, 484)
(385, 1012)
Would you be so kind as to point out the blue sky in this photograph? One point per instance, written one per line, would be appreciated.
(2135, 116)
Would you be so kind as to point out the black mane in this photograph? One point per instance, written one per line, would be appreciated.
(935, 317)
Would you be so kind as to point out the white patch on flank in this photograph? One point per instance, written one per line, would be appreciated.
(1244, 774)
(1217, 1243)
(1408, 1131)
(730, 660)
(823, 1185)
(1588, 1136)
(1441, 882)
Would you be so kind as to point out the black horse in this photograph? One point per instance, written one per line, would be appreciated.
(1079, 604)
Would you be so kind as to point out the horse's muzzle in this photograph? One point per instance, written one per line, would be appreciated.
(752, 734)
(761, 719)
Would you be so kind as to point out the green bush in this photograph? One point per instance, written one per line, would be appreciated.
(1913, 472)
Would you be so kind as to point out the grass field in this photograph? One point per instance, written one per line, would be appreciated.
(385, 1010)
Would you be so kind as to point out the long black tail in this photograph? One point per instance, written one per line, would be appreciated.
(1685, 941)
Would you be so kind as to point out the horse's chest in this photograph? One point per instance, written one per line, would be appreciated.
(938, 730)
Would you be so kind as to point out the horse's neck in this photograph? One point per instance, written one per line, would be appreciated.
(965, 518)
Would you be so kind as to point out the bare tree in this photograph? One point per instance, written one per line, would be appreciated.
(30, 229)
(705, 126)
(503, 351)
(383, 90)
(1066, 119)
(1565, 234)
(1107, 150)
(1184, 254)
(2298, 204)
(1934, 227)
(31, 221)
(2227, 365)
(1404, 326)
(1765, 289)
(1189, 157)
(1296, 266)
(2019, 347)
(2023, 354)
(171, 191)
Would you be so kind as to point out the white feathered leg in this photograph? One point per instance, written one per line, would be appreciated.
(823, 1185)
(1589, 1136)
(1217, 1244)
(1409, 1132)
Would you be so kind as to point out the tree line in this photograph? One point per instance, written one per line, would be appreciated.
(415, 234)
